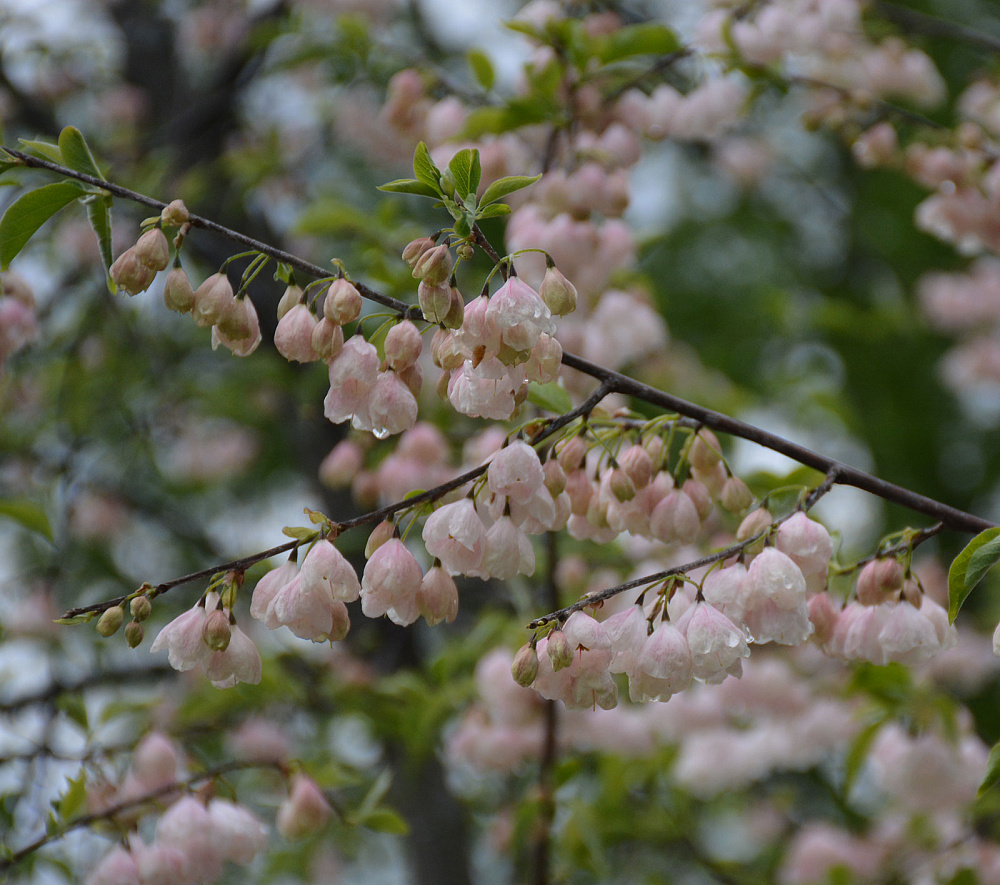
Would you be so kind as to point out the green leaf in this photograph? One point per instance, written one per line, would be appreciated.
(550, 397)
(28, 213)
(383, 820)
(76, 619)
(74, 800)
(460, 167)
(504, 186)
(283, 273)
(482, 68)
(425, 170)
(475, 174)
(969, 567)
(300, 532)
(45, 149)
(99, 213)
(28, 514)
(858, 751)
(410, 186)
(75, 708)
(76, 154)
(642, 39)
(992, 771)
(493, 211)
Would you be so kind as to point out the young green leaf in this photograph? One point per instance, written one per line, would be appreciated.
(99, 213)
(44, 149)
(550, 397)
(475, 174)
(461, 171)
(992, 771)
(969, 567)
(28, 213)
(76, 154)
(29, 515)
(384, 820)
(504, 186)
(410, 186)
(74, 800)
(482, 68)
(493, 211)
(642, 39)
(424, 168)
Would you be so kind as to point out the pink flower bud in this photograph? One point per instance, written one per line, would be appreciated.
(290, 297)
(525, 666)
(177, 292)
(571, 453)
(327, 340)
(434, 266)
(736, 496)
(638, 465)
(339, 467)
(415, 248)
(437, 598)
(216, 631)
(558, 293)
(305, 811)
(293, 335)
(130, 274)
(213, 299)
(434, 301)
(153, 250)
(555, 477)
(621, 485)
(559, 650)
(155, 761)
(705, 451)
(402, 345)
(753, 524)
(175, 214)
(878, 579)
(380, 534)
(343, 302)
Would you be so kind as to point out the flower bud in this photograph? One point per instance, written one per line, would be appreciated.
(216, 631)
(413, 378)
(525, 666)
(434, 266)
(434, 301)
(700, 495)
(343, 302)
(213, 299)
(130, 274)
(305, 811)
(153, 250)
(289, 298)
(705, 451)
(555, 477)
(878, 579)
(638, 465)
(402, 346)
(175, 214)
(456, 311)
(571, 453)
(177, 292)
(736, 496)
(140, 608)
(380, 534)
(110, 621)
(465, 252)
(133, 633)
(327, 340)
(558, 293)
(437, 598)
(753, 524)
(415, 248)
(621, 485)
(559, 650)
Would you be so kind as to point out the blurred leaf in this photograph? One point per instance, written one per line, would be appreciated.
(643, 39)
(424, 168)
(992, 775)
(74, 800)
(29, 212)
(969, 567)
(384, 820)
(29, 515)
(550, 397)
(410, 186)
(74, 707)
(504, 186)
(482, 67)
(76, 154)
(858, 751)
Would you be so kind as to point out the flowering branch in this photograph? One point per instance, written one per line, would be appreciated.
(113, 810)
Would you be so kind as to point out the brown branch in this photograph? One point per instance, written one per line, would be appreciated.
(914, 22)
